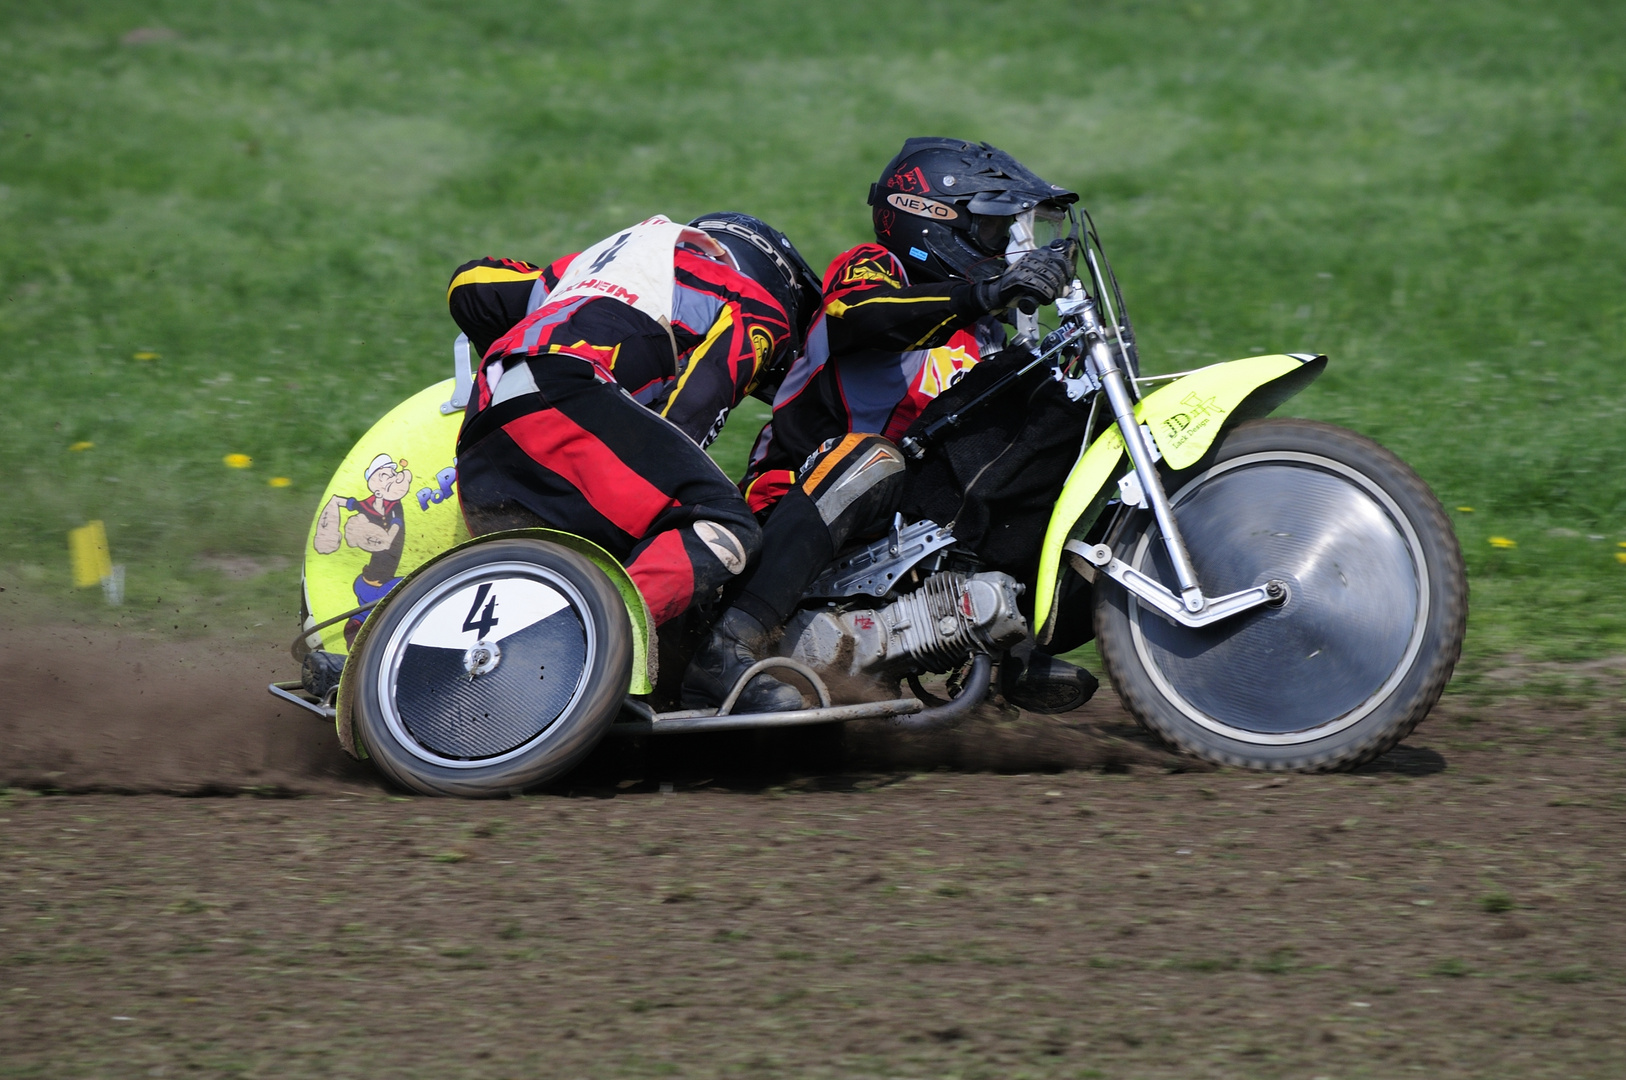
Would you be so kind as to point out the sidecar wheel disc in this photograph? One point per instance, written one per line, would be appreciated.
(494, 668)
(1353, 622)
(460, 697)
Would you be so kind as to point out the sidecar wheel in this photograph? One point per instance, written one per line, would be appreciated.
(495, 669)
(1368, 634)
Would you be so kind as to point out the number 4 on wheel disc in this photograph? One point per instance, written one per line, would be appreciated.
(493, 669)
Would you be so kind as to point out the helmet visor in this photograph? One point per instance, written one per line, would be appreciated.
(1034, 229)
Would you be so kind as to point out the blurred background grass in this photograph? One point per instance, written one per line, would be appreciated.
(227, 228)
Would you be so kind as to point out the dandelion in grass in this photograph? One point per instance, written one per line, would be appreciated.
(145, 355)
(279, 481)
(237, 461)
(1502, 542)
(80, 447)
(1620, 557)
(1465, 509)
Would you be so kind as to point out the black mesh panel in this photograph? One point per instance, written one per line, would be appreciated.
(455, 717)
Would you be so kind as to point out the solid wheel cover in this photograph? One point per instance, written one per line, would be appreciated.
(494, 713)
(1351, 614)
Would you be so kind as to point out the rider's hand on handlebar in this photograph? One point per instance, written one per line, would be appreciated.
(1040, 276)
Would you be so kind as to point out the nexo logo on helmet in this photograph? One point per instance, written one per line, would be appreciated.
(926, 208)
(945, 206)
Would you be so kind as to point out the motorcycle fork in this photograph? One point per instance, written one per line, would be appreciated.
(1116, 386)
(1191, 608)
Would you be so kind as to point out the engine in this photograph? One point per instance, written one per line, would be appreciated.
(933, 628)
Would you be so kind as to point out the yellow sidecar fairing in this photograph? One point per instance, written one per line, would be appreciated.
(418, 438)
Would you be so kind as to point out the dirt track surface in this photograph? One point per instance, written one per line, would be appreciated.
(85, 709)
(795, 906)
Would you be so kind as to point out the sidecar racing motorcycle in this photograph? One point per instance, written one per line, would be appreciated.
(1275, 594)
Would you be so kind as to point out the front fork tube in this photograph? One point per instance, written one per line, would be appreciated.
(1105, 362)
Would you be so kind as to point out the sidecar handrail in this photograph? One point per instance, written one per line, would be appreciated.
(462, 376)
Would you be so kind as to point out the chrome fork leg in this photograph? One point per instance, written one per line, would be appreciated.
(1123, 408)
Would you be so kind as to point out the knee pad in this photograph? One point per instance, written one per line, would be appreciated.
(839, 476)
(729, 549)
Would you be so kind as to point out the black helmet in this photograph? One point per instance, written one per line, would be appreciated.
(766, 256)
(947, 208)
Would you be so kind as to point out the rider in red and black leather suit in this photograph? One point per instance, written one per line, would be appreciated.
(879, 351)
(487, 297)
(590, 414)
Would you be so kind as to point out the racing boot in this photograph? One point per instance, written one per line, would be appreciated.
(1032, 680)
(737, 641)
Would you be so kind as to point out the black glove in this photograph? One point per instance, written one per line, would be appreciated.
(1040, 276)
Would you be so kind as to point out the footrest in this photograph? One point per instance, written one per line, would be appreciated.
(294, 692)
(707, 720)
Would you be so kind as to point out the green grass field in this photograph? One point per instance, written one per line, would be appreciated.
(270, 198)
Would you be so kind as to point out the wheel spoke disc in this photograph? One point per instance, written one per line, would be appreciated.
(1352, 623)
(455, 711)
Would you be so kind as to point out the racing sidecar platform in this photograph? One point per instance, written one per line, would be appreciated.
(498, 665)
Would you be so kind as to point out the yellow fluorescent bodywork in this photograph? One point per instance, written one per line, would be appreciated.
(413, 437)
(1185, 416)
(416, 436)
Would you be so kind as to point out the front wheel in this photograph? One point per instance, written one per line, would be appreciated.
(493, 669)
(1365, 639)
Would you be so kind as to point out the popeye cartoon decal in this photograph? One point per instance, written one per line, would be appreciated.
(378, 526)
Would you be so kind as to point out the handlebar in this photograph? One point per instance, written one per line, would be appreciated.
(1080, 321)
(932, 432)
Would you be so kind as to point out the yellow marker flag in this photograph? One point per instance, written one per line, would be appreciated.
(91, 561)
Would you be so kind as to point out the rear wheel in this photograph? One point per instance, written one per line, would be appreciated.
(1365, 640)
(494, 669)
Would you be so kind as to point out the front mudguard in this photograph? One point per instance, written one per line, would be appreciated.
(643, 655)
(1186, 418)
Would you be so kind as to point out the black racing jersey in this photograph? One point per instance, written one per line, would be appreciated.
(878, 352)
